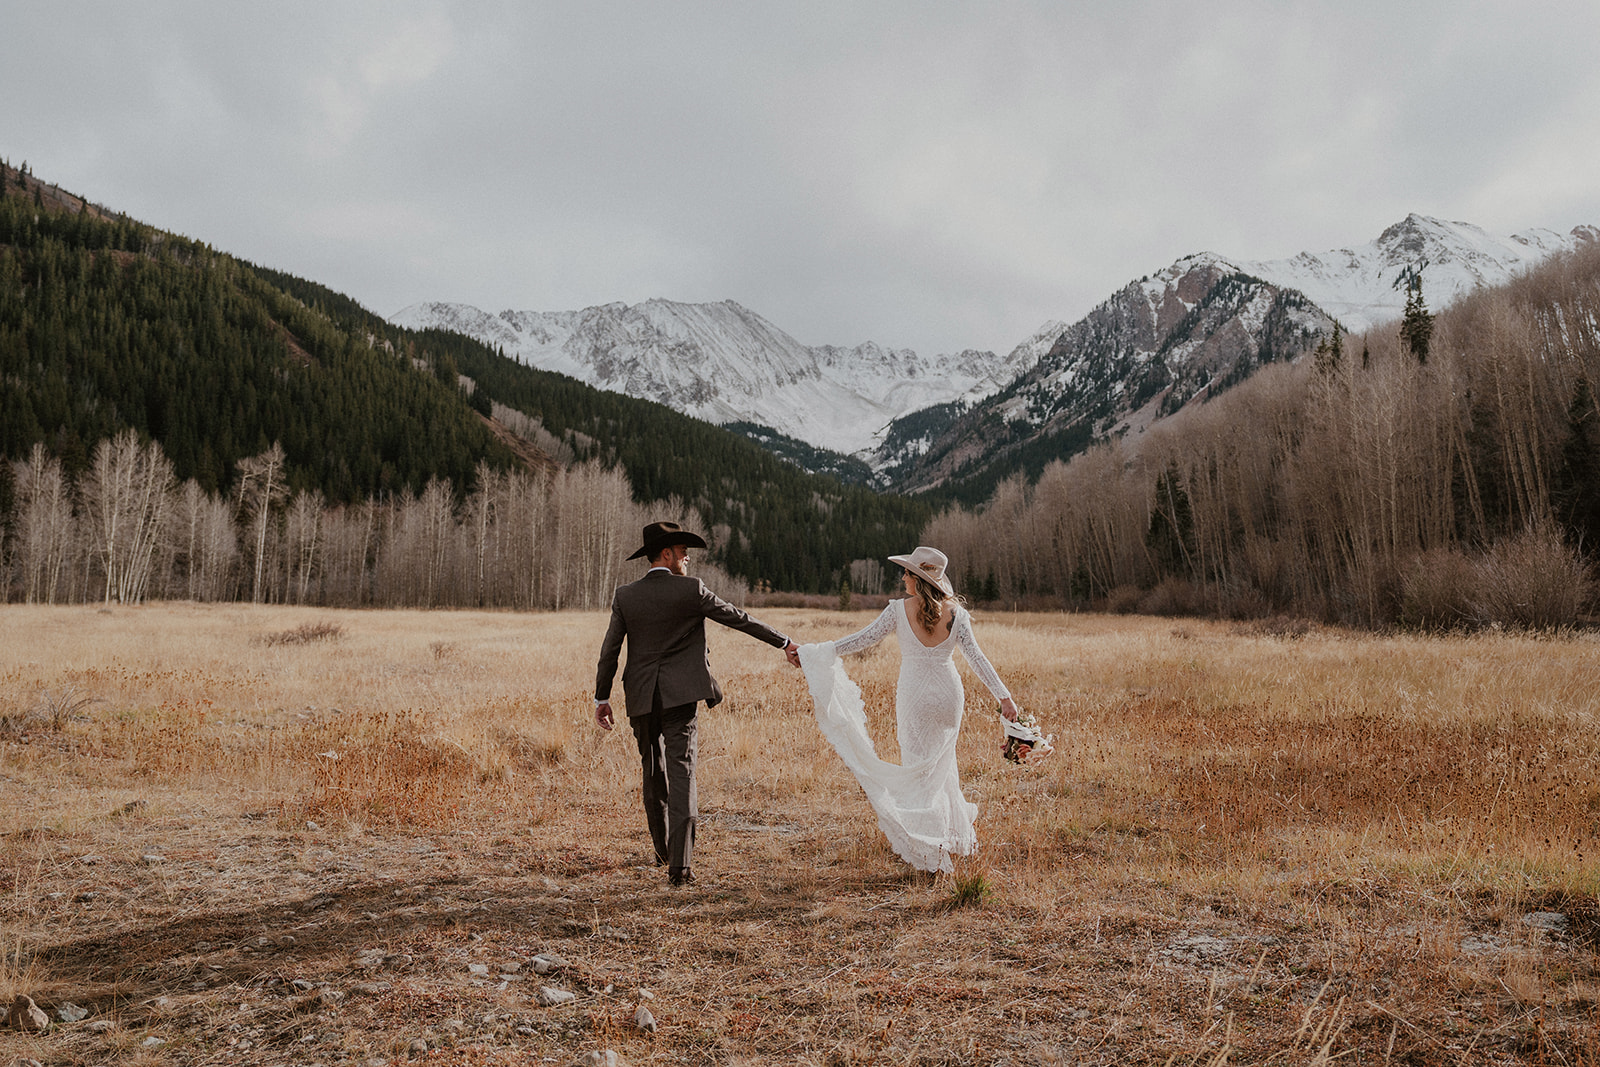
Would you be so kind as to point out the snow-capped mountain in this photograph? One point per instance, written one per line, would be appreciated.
(1200, 325)
(1152, 347)
(1362, 287)
(725, 363)
(1197, 326)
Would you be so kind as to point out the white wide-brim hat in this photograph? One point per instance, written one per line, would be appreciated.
(927, 563)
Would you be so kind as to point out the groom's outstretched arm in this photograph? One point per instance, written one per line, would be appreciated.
(718, 610)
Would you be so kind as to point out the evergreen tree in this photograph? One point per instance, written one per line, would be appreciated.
(1575, 494)
(1170, 535)
(1330, 353)
(1416, 327)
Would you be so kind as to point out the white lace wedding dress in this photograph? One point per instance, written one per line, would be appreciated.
(919, 803)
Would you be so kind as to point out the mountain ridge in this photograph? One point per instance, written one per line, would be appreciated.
(727, 364)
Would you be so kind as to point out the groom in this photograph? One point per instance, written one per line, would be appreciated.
(662, 616)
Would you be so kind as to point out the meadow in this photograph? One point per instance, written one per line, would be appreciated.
(237, 834)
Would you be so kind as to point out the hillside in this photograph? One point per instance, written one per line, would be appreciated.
(1455, 484)
(108, 324)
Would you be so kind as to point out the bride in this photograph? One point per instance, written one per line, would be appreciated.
(919, 803)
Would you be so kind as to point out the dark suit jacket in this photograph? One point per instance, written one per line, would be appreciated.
(663, 616)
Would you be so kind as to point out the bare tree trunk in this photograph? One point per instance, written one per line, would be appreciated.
(260, 487)
(126, 499)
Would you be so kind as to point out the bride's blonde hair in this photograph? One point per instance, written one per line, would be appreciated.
(930, 602)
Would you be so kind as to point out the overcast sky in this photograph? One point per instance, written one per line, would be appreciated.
(922, 174)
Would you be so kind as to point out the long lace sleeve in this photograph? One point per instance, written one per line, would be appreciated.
(871, 634)
(979, 662)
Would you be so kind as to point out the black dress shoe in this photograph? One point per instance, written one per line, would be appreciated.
(680, 875)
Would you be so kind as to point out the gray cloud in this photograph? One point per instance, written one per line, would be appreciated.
(935, 175)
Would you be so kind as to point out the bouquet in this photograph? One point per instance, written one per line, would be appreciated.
(1025, 742)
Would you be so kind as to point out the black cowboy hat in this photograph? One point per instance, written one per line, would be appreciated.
(659, 535)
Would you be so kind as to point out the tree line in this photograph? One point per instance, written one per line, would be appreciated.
(127, 530)
(1447, 473)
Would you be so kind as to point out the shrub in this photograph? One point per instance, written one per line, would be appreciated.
(1533, 581)
(1173, 596)
(305, 634)
(1437, 590)
(1123, 600)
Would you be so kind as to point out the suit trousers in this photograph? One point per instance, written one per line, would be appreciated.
(668, 741)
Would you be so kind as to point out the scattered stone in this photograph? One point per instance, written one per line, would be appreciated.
(322, 998)
(202, 946)
(311, 825)
(544, 963)
(26, 1015)
(604, 1058)
(304, 984)
(419, 1047)
(645, 994)
(154, 1042)
(510, 967)
(100, 1026)
(1200, 948)
(549, 998)
(90, 861)
(29, 1063)
(54, 896)
(84, 898)
(370, 989)
(479, 969)
(1551, 922)
(286, 939)
(611, 933)
(150, 859)
(644, 1020)
(69, 1012)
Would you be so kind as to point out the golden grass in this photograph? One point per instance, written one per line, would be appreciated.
(1249, 848)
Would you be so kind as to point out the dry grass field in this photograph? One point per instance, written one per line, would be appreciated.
(248, 835)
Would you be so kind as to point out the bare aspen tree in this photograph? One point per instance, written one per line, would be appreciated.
(436, 510)
(188, 517)
(215, 567)
(127, 497)
(44, 526)
(44, 523)
(261, 486)
(480, 519)
(303, 541)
